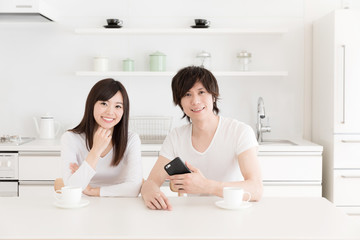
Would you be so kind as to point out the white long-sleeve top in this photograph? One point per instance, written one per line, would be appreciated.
(125, 179)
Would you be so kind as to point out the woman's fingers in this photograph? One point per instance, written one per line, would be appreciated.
(73, 167)
(106, 133)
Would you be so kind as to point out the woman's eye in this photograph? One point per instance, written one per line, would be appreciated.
(103, 103)
(118, 106)
(187, 95)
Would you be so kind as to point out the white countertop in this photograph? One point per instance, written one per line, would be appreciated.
(191, 218)
(55, 145)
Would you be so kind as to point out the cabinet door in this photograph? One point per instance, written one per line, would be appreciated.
(346, 187)
(40, 189)
(292, 189)
(284, 166)
(37, 166)
(347, 72)
(347, 151)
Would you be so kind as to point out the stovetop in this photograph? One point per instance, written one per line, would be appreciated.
(14, 140)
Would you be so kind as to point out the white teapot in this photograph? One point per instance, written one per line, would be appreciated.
(46, 127)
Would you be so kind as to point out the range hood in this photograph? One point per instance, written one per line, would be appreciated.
(25, 11)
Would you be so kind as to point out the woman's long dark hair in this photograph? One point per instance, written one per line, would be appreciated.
(103, 91)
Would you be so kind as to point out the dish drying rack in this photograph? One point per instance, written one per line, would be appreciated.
(151, 129)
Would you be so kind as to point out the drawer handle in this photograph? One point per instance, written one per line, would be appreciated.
(350, 141)
(350, 176)
(24, 6)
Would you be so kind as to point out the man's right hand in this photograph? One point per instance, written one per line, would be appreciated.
(153, 197)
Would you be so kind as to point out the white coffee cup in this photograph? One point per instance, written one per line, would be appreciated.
(233, 196)
(69, 195)
(101, 64)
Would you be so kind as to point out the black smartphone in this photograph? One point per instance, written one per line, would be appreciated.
(176, 166)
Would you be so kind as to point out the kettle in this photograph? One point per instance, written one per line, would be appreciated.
(46, 127)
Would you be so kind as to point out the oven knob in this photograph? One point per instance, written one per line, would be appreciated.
(8, 163)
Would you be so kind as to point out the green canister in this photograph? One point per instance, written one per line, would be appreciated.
(157, 62)
(128, 65)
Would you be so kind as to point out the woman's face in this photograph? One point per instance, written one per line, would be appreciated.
(109, 113)
(198, 103)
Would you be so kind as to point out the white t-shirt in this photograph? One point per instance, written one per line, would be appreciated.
(219, 162)
(124, 179)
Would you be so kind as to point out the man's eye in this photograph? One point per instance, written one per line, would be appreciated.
(187, 94)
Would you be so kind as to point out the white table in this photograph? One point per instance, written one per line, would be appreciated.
(191, 218)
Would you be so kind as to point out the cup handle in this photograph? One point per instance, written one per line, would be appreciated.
(57, 195)
(249, 196)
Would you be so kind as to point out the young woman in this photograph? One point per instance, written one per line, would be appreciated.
(99, 154)
(219, 151)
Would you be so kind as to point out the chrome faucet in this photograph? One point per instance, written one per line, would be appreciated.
(260, 128)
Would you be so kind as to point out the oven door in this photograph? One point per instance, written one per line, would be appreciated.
(9, 188)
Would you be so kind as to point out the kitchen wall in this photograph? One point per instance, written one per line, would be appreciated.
(38, 61)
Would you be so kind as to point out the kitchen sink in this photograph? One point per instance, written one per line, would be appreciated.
(278, 142)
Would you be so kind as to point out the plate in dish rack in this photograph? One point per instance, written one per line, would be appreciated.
(82, 203)
(222, 204)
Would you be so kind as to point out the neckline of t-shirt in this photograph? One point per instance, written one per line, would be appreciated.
(212, 140)
(107, 153)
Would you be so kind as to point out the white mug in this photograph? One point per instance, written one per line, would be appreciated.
(69, 195)
(233, 196)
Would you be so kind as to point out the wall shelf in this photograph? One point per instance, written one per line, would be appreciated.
(172, 73)
(190, 31)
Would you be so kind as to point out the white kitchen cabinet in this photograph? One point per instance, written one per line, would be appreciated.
(346, 72)
(292, 189)
(336, 115)
(37, 172)
(36, 188)
(291, 166)
(346, 151)
(39, 166)
(291, 174)
(346, 187)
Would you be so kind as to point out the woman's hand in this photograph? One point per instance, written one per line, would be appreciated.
(194, 182)
(90, 191)
(153, 197)
(73, 167)
(102, 139)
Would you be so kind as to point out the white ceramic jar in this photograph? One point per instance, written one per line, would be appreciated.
(101, 64)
